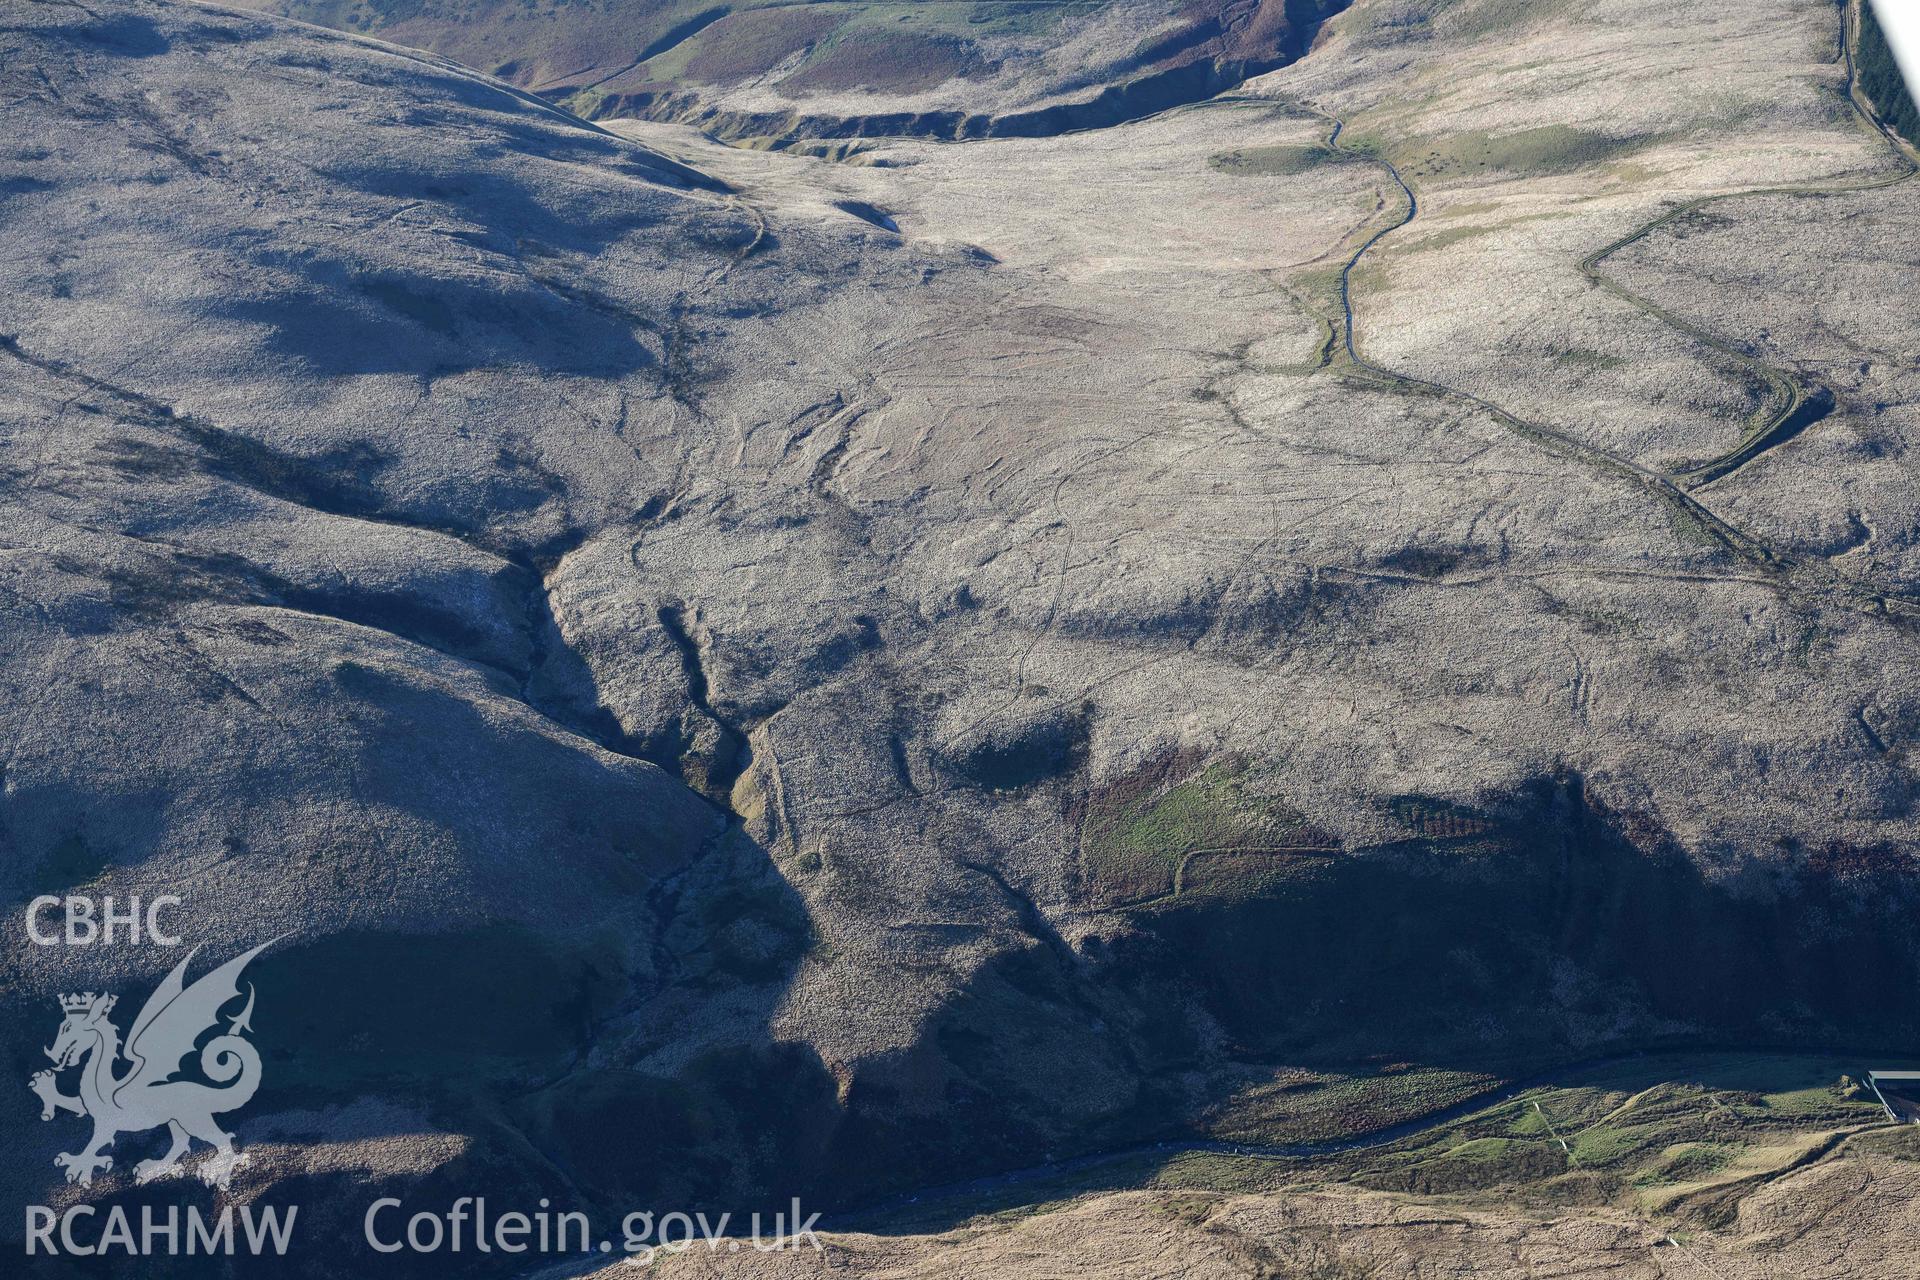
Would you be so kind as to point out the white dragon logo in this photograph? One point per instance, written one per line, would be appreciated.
(146, 1096)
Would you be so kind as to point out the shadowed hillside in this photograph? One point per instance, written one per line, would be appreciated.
(1881, 78)
(964, 68)
(725, 675)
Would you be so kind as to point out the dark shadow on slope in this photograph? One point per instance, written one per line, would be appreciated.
(1881, 79)
(129, 35)
(1554, 933)
(504, 211)
(484, 1030)
(384, 322)
(869, 213)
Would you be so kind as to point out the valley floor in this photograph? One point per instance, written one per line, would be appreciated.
(1730, 1166)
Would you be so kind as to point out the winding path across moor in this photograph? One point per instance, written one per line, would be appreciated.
(1774, 423)
(1790, 403)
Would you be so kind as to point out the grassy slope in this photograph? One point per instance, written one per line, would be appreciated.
(1679, 1138)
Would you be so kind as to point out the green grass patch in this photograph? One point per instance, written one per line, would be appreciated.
(1473, 1165)
(1635, 1127)
(1547, 149)
(1687, 1162)
(1303, 1106)
(1644, 1130)
(1272, 162)
(1136, 832)
(1581, 358)
(1605, 1145)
